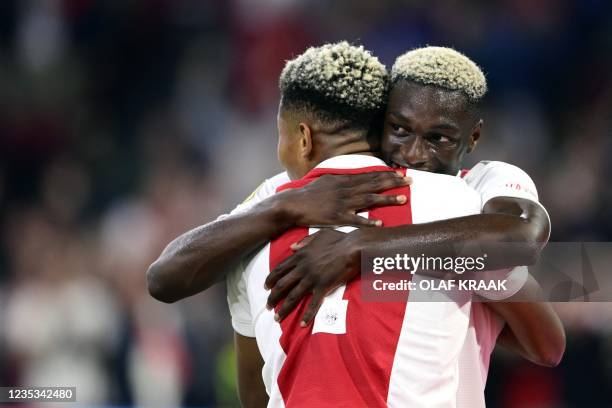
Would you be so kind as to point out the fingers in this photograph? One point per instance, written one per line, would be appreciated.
(313, 308)
(281, 270)
(354, 220)
(303, 242)
(293, 298)
(376, 182)
(282, 288)
(376, 200)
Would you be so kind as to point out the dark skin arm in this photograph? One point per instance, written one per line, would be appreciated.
(533, 329)
(329, 258)
(203, 256)
(251, 389)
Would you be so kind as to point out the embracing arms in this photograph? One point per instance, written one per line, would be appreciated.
(203, 256)
(330, 258)
(199, 258)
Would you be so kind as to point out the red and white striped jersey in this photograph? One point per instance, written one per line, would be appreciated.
(489, 179)
(360, 353)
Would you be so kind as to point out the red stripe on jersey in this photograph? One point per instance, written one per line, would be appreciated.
(319, 171)
(351, 369)
(463, 173)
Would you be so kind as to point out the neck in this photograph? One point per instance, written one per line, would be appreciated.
(334, 147)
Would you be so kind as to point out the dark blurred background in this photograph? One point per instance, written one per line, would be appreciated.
(125, 123)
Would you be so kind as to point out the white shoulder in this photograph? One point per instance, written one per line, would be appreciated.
(263, 191)
(496, 178)
(268, 187)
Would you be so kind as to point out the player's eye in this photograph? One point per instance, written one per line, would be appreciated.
(397, 128)
(440, 138)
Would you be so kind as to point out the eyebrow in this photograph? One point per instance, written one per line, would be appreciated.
(441, 126)
(446, 126)
(398, 115)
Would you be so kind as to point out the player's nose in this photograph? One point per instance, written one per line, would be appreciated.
(414, 153)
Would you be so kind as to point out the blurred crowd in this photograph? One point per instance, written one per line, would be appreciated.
(125, 123)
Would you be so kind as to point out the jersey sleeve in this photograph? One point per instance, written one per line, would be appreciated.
(263, 191)
(495, 179)
(238, 302)
(237, 295)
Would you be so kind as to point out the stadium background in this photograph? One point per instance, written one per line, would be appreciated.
(124, 123)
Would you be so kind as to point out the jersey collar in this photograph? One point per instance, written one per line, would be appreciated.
(350, 161)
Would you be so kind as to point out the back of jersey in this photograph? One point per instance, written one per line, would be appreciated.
(360, 353)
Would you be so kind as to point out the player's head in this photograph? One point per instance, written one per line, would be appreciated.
(332, 97)
(432, 117)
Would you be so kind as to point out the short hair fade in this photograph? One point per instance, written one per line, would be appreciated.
(443, 67)
(339, 82)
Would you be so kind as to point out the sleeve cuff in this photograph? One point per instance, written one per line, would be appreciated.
(507, 192)
(243, 327)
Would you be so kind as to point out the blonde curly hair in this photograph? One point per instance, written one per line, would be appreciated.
(443, 67)
(338, 77)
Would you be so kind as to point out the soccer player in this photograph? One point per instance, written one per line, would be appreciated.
(211, 250)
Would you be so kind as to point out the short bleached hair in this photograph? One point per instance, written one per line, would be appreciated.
(442, 67)
(339, 81)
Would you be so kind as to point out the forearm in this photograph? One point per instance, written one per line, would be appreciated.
(203, 256)
(199, 258)
(533, 331)
(505, 239)
(251, 388)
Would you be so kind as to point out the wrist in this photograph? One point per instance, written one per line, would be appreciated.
(278, 212)
(359, 240)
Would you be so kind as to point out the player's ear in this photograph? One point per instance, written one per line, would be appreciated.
(473, 140)
(305, 140)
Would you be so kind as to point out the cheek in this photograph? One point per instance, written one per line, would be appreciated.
(279, 150)
(288, 155)
(449, 162)
(283, 152)
(445, 156)
(388, 147)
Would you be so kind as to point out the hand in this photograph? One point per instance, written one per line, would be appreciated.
(322, 262)
(335, 199)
